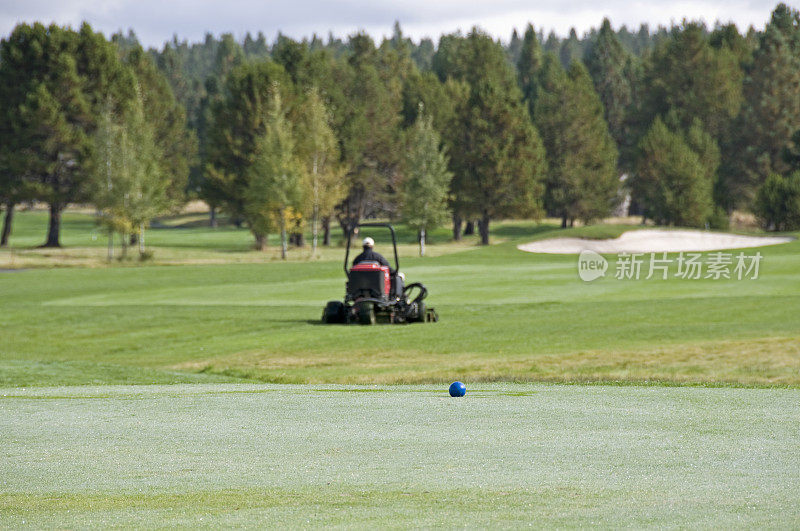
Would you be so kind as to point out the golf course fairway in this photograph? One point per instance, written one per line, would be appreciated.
(321, 455)
(506, 315)
(208, 394)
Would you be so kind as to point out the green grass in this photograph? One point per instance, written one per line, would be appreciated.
(315, 456)
(674, 443)
(505, 316)
(187, 239)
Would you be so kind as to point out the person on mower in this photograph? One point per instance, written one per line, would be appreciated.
(369, 255)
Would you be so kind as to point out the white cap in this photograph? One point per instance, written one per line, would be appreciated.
(369, 242)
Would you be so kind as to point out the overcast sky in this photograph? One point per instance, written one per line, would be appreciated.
(155, 21)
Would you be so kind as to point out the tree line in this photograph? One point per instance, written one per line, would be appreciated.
(688, 123)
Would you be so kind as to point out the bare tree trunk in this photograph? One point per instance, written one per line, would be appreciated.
(326, 231)
(110, 244)
(422, 242)
(54, 226)
(212, 217)
(469, 229)
(9, 218)
(124, 246)
(456, 227)
(483, 228)
(314, 216)
(564, 221)
(141, 238)
(283, 235)
(261, 241)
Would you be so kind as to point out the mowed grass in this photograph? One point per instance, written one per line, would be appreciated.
(220, 448)
(506, 315)
(506, 455)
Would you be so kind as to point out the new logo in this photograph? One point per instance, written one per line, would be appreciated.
(591, 266)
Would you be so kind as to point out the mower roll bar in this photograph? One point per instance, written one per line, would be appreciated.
(350, 236)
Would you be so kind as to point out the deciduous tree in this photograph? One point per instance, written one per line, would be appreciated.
(273, 185)
(128, 185)
(427, 180)
(318, 154)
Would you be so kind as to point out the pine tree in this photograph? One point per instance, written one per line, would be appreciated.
(582, 181)
(772, 113)
(530, 63)
(220, 59)
(425, 88)
(777, 203)
(427, 181)
(674, 175)
(367, 125)
(15, 185)
(514, 47)
(791, 152)
(552, 44)
(54, 82)
(497, 156)
(612, 70)
(732, 139)
(236, 120)
(570, 49)
(688, 76)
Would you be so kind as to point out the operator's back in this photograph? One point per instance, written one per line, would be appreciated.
(369, 254)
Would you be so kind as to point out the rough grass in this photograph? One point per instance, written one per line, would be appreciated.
(761, 362)
(318, 456)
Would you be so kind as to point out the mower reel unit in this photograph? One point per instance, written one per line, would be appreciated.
(373, 294)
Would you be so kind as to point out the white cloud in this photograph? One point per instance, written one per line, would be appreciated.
(156, 21)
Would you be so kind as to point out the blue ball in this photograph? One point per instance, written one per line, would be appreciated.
(458, 389)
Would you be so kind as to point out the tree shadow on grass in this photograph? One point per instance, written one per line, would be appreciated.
(523, 231)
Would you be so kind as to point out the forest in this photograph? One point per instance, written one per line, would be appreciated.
(682, 126)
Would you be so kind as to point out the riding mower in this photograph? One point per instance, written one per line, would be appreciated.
(374, 293)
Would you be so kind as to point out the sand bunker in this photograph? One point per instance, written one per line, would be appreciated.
(653, 241)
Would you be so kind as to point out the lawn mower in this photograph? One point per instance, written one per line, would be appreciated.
(374, 293)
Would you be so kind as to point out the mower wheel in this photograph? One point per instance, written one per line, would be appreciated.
(333, 312)
(419, 314)
(366, 313)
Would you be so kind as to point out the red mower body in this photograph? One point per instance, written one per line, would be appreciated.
(372, 266)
